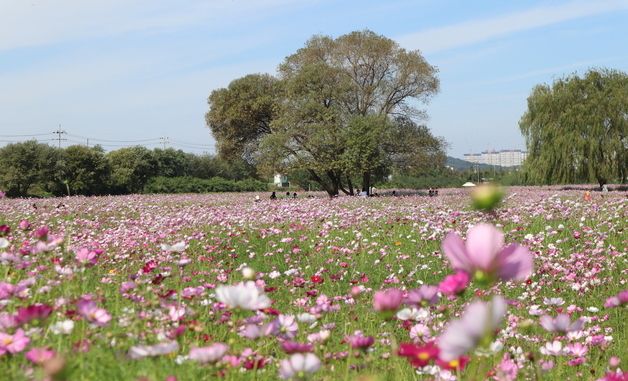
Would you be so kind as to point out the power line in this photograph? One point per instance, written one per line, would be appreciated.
(64, 136)
(26, 135)
(115, 141)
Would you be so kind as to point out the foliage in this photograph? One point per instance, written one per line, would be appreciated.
(131, 168)
(24, 165)
(196, 185)
(85, 171)
(339, 110)
(242, 113)
(577, 129)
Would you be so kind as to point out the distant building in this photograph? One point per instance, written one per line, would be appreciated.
(281, 180)
(503, 158)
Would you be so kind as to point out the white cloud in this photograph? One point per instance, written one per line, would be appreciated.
(474, 31)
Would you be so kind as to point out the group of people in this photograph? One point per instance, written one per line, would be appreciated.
(273, 196)
(432, 192)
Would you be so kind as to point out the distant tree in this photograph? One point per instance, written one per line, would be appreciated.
(577, 129)
(131, 168)
(170, 162)
(306, 119)
(241, 114)
(85, 170)
(26, 165)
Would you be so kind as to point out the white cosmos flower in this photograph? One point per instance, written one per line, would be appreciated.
(412, 314)
(554, 348)
(4, 243)
(64, 327)
(178, 247)
(306, 318)
(477, 321)
(140, 351)
(299, 365)
(244, 295)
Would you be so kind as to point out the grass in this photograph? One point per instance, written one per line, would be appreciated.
(394, 242)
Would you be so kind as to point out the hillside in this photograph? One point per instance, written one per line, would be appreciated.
(462, 165)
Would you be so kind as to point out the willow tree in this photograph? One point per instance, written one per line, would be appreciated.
(576, 129)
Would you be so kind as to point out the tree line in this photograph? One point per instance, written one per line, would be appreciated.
(345, 112)
(35, 169)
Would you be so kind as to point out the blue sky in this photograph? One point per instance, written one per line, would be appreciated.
(123, 70)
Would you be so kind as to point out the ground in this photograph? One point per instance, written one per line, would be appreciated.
(106, 283)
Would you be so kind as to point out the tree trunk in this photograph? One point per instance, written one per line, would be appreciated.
(366, 182)
(329, 188)
(350, 184)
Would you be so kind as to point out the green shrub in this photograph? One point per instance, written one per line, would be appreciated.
(196, 185)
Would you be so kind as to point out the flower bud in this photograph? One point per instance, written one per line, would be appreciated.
(487, 197)
(248, 273)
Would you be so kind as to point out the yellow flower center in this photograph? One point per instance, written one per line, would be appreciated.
(454, 363)
(7, 341)
(423, 356)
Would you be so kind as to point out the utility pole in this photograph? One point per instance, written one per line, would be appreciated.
(164, 140)
(59, 133)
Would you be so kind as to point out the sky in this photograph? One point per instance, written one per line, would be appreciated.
(120, 72)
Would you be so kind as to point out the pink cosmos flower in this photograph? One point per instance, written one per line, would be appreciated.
(387, 300)
(507, 369)
(617, 300)
(13, 343)
(95, 315)
(7, 321)
(40, 355)
(291, 347)
(210, 354)
(577, 349)
(359, 341)
(6, 290)
(424, 295)
(484, 256)
(454, 284)
(24, 225)
(86, 257)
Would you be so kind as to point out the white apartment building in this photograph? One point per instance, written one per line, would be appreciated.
(503, 158)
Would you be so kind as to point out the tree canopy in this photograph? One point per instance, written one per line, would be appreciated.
(576, 129)
(343, 110)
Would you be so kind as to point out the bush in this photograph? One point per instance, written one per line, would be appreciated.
(196, 185)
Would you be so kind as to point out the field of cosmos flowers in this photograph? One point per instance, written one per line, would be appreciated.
(191, 287)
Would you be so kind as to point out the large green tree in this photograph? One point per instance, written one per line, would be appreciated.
(131, 168)
(28, 165)
(85, 171)
(331, 112)
(576, 130)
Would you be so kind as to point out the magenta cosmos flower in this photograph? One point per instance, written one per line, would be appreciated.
(484, 256)
(95, 315)
(387, 300)
(13, 343)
